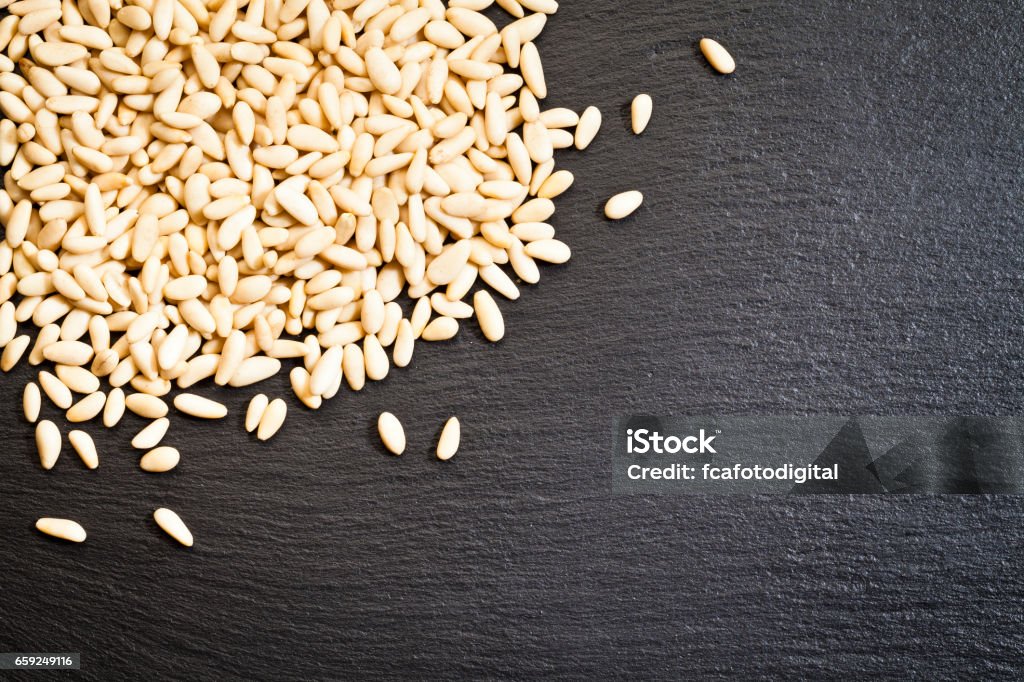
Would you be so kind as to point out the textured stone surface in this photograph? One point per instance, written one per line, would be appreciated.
(836, 229)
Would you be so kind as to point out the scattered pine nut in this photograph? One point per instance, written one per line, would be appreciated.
(172, 524)
(448, 444)
(31, 402)
(48, 442)
(151, 435)
(642, 108)
(65, 529)
(391, 433)
(160, 460)
(623, 205)
(85, 447)
(717, 56)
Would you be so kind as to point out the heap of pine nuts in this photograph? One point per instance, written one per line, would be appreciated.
(200, 189)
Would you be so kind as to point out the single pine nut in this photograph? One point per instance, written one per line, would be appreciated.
(272, 419)
(65, 529)
(48, 442)
(84, 446)
(717, 56)
(172, 524)
(198, 406)
(160, 460)
(151, 435)
(146, 406)
(391, 433)
(448, 444)
(622, 205)
(31, 402)
(257, 406)
(489, 316)
(642, 108)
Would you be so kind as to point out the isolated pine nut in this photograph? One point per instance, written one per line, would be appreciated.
(391, 433)
(65, 529)
(622, 205)
(172, 524)
(717, 56)
(448, 444)
(641, 109)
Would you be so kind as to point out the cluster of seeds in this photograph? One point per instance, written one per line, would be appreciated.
(202, 189)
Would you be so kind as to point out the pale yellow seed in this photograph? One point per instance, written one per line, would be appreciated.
(65, 529)
(492, 324)
(48, 443)
(642, 108)
(391, 433)
(717, 56)
(160, 460)
(31, 402)
(272, 419)
(623, 205)
(198, 406)
(85, 447)
(150, 436)
(253, 414)
(172, 524)
(448, 443)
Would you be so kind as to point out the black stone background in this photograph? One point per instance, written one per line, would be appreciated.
(835, 229)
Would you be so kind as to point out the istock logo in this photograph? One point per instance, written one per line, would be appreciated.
(643, 441)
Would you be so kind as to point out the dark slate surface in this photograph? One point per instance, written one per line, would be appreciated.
(833, 230)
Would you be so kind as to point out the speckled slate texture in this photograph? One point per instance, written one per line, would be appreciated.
(836, 229)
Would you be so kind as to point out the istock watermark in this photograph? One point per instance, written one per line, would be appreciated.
(815, 455)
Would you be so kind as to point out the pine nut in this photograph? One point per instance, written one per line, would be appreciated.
(272, 419)
(65, 529)
(448, 443)
(642, 108)
(253, 414)
(83, 444)
(717, 56)
(160, 460)
(198, 406)
(172, 524)
(151, 435)
(391, 433)
(623, 205)
(31, 402)
(48, 442)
